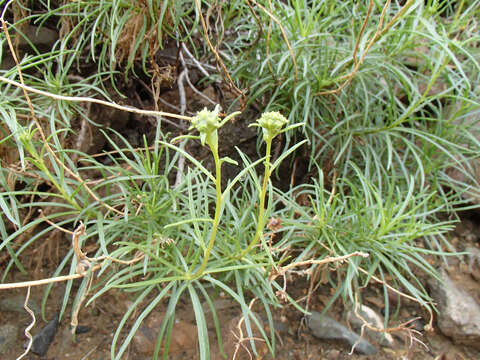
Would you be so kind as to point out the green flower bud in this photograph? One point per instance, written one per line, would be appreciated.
(24, 134)
(271, 123)
(207, 122)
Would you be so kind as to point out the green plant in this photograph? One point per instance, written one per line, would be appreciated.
(200, 246)
(178, 254)
(382, 91)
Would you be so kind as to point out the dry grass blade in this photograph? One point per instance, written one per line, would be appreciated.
(326, 260)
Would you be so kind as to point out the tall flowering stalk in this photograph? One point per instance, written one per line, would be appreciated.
(207, 123)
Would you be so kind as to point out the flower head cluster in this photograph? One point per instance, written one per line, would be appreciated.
(207, 122)
(271, 124)
(25, 134)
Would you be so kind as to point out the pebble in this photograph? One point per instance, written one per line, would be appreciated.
(183, 337)
(43, 339)
(333, 354)
(418, 324)
(82, 329)
(324, 327)
(373, 319)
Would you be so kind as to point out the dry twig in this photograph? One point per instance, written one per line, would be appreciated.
(85, 265)
(240, 338)
(131, 109)
(215, 52)
(29, 327)
(323, 261)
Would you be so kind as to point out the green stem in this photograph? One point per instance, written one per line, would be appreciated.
(263, 195)
(39, 162)
(218, 208)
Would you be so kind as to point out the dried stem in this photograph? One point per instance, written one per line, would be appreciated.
(29, 327)
(323, 261)
(215, 52)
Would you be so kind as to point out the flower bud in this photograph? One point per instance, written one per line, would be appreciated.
(206, 122)
(271, 123)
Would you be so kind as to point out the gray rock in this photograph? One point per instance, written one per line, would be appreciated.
(324, 327)
(38, 36)
(41, 37)
(15, 304)
(373, 319)
(8, 337)
(42, 340)
(458, 312)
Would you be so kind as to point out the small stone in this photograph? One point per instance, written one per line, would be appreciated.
(375, 300)
(8, 337)
(373, 319)
(209, 93)
(39, 36)
(44, 338)
(458, 312)
(281, 326)
(144, 340)
(324, 327)
(450, 354)
(82, 329)
(418, 325)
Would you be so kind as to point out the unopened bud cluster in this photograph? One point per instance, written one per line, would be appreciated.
(271, 124)
(207, 122)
